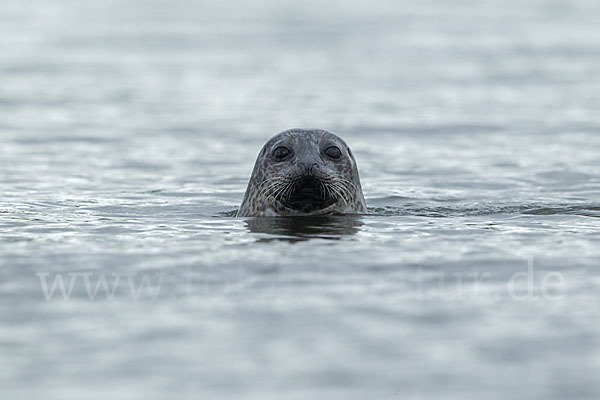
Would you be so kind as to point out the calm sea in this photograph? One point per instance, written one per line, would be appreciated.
(128, 131)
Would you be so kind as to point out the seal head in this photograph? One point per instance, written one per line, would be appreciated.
(304, 172)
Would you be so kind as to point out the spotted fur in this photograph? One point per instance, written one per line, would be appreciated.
(272, 181)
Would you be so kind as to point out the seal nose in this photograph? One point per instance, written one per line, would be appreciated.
(309, 168)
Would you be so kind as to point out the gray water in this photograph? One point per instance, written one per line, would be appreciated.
(128, 131)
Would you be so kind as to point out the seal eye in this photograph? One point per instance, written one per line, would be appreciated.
(280, 153)
(333, 152)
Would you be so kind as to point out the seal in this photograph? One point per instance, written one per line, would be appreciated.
(304, 172)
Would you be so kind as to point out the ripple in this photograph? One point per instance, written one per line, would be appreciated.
(587, 210)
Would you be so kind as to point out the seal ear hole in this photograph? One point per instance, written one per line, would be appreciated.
(281, 153)
(333, 152)
(349, 152)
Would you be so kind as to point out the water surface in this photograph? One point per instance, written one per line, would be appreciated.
(128, 131)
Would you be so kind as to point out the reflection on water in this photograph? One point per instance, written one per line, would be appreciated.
(296, 229)
(128, 129)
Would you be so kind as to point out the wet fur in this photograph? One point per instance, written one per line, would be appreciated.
(273, 184)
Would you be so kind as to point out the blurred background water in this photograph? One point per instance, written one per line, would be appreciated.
(128, 131)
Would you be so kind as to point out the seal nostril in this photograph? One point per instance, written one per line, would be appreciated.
(314, 168)
(307, 168)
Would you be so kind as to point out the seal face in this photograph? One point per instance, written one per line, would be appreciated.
(304, 172)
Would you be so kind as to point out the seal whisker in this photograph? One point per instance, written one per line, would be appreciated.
(339, 193)
(273, 190)
(348, 187)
